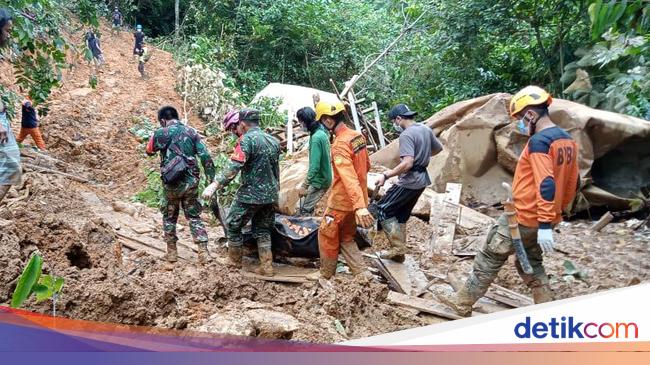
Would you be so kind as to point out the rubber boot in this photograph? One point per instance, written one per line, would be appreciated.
(396, 234)
(203, 254)
(235, 253)
(464, 298)
(172, 252)
(327, 267)
(542, 294)
(352, 255)
(266, 262)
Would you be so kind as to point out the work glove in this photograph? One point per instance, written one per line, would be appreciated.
(209, 190)
(545, 240)
(364, 218)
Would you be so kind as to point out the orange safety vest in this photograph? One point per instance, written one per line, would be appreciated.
(350, 164)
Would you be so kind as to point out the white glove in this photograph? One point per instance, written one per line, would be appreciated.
(209, 190)
(545, 240)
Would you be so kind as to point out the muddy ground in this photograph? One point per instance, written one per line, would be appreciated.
(72, 224)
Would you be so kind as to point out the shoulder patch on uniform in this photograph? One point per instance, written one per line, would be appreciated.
(541, 142)
(238, 155)
(358, 143)
(338, 160)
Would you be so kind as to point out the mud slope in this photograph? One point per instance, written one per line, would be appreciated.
(73, 224)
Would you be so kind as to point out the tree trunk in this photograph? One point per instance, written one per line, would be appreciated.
(176, 17)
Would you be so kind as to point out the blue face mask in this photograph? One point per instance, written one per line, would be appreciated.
(523, 129)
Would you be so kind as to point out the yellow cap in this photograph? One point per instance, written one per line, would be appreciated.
(324, 108)
(530, 95)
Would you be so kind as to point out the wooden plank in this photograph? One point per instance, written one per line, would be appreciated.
(423, 305)
(289, 132)
(56, 172)
(392, 281)
(380, 132)
(276, 278)
(157, 245)
(353, 109)
(445, 215)
(509, 297)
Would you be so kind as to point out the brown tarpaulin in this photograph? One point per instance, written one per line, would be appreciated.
(482, 148)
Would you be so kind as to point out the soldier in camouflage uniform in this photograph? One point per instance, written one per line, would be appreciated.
(183, 193)
(257, 156)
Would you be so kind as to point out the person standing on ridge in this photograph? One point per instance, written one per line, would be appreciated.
(417, 144)
(545, 183)
(319, 175)
(139, 39)
(117, 21)
(179, 147)
(257, 156)
(29, 125)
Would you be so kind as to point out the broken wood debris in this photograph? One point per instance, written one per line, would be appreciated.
(56, 172)
(445, 211)
(423, 305)
(602, 222)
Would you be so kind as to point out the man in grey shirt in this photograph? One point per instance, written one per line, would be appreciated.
(417, 144)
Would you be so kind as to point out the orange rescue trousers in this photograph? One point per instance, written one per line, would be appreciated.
(36, 136)
(337, 227)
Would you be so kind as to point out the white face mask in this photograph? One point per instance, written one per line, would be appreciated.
(397, 127)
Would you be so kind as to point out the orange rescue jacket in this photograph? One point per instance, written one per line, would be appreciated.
(546, 178)
(350, 164)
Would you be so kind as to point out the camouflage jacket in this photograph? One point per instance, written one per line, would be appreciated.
(257, 156)
(189, 142)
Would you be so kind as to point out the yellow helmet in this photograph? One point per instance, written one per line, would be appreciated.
(324, 108)
(530, 95)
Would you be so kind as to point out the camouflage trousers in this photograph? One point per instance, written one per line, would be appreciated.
(495, 252)
(170, 208)
(262, 217)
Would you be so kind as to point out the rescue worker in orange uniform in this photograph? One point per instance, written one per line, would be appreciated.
(347, 205)
(545, 183)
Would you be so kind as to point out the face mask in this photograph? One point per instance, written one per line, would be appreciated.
(397, 128)
(521, 126)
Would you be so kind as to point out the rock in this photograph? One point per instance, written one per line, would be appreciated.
(81, 92)
(271, 324)
(231, 323)
(119, 206)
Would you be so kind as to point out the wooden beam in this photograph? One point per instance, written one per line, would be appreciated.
(444, 216)
(509, 297)
(380, 132)
(289, 132)
(423, 305)
(56, 172)
(276, 278)
(602, 222)
(353, 109)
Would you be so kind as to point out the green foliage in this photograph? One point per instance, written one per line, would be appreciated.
(612, 73)
(31, 281)
(27, 280)
(153, 193)
(270, 117)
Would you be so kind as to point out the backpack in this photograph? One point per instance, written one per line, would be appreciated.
(172, 171)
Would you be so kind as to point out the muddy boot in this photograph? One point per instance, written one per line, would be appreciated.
(396, 234)
(464, 299)
(235, 253)
(266, 262)
(172, 252)
(542, 294)
(352, 255)
(203, 253)
(327, 268)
